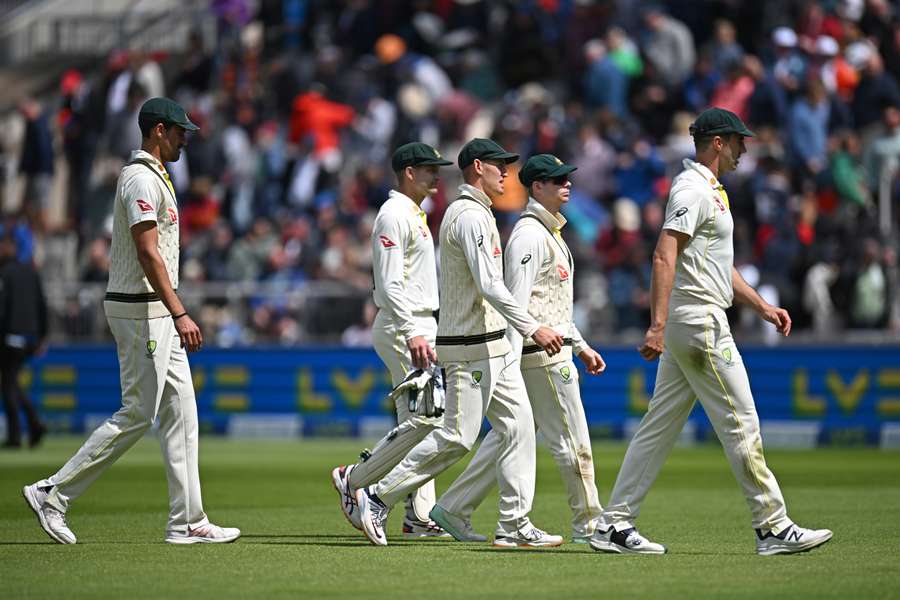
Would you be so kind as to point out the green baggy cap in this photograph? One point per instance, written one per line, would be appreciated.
(543, 166)
(416, 154)
(166, 111)
(718, 121)
(484, 149)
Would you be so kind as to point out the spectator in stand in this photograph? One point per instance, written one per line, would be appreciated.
(36, 163)
(808, 131)
(668, 45)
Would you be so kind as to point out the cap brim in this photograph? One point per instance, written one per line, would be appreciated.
(507, 157)
(433, 162)
(562, 170)
(188, 125)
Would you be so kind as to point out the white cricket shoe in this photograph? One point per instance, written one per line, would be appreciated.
(372, 514)
(459, 528)
(416, 528)
(205, 534)
(628, 541)
(340, 478)
(528, 536)
(52, 521)
(791, 540)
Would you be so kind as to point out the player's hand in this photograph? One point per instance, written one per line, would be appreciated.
(190, 335)
(653, 343)
(592, 361)
(421, 352)
(548, 339)
(778, 317)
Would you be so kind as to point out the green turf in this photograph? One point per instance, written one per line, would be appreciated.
(297, 544)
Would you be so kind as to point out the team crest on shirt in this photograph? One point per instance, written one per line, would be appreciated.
(386, 241)
(726, 354)
(145, 206)
(565, 373)
(476, 378)
(173, 215)
(151, 348)
(563, 272)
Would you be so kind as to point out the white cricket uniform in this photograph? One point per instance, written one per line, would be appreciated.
(483, 375)
(153, 367)
(700, 361)
(539, 272)
(406, 293)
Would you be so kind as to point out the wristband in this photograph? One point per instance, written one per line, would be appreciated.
(176, 317)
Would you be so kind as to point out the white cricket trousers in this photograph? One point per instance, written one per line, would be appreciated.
(156, 382)
(390, 345)
(491, 388)
(700, 361)
(559, 416)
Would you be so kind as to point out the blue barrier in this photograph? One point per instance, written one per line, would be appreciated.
(847, 395)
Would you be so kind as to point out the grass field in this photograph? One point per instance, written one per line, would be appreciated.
(296, 543)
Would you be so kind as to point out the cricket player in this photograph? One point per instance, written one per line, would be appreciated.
(694, 281)
(153, 331)
(539, 272)
(482, 373)
(406, 293)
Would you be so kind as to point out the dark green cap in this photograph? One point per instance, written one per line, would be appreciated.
(416, 154)
(718, 121)
(483, 149)
(166, 111)
(543, 166)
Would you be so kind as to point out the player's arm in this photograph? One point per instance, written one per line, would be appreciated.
(522, 262)
(473, 235)
(590, 357)
(745, 294)
(389, 242)
(142, 200)
(668, 247)
(146, 241)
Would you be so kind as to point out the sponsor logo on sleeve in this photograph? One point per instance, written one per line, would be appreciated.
(680, 212)
(525, 259)
(173, 215)
(719, 203)
(145, 206)
(386, 241)
(480, 241)
(497, 251)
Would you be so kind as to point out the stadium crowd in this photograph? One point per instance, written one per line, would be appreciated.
(301, 102)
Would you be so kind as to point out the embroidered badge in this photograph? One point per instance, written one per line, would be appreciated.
(386, 241)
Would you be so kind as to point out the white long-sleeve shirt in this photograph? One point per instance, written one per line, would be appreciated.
(475, 304)
(403, 263)
(540, 273)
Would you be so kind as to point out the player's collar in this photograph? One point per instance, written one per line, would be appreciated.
(708, 176)
(474, 192)
(144, 155)
(415, 208)
(536, 209)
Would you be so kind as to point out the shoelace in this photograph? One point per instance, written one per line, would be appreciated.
(52, 513)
